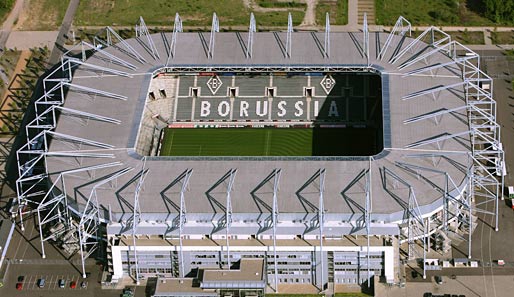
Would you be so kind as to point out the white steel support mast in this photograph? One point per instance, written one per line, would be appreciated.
(326, 47)
(228, 212)
(365, 30)
(177, 27)
(143, 31)
(182, 218)
(289, 35)
(321, 219)
(367, 216)
(275, 212)
(214, 29)
(251, 30)
(137, 216)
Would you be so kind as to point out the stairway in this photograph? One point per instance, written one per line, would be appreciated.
(366, 7)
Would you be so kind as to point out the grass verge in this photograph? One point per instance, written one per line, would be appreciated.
(281, 4)
(160, 12)
(5, 8)
(338, 12)
(430, 12)
(464, 37)
(468, 37)
(43, 15)
(277, 18)
(502, 37)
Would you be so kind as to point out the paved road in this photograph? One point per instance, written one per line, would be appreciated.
(8, 23)
(353, 16)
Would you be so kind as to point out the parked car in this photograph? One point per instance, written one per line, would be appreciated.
(438, 279)
(41, 282)
(19, 286)
(83, 285)
(61, 283)
(73, 285)
(21, 278)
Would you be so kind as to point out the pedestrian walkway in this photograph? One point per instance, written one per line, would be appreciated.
(353, 14)
(366, 7)
(24, 40)
(310, 13)
(9, 22)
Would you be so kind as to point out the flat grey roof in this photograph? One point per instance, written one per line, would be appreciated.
(159, 195)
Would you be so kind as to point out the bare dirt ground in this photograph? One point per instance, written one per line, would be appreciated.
(250, 4)
(310, 14)
(31, 17)
(15, 83)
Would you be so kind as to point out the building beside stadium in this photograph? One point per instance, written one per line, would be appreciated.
(394, 149)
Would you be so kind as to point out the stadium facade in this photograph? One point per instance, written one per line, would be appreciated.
(92, 173)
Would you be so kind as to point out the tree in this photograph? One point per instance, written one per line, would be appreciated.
(6, 3)
(499, 11)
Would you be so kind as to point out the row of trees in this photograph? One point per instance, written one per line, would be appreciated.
(500, 11)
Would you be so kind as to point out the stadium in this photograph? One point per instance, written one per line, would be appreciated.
(246, 163)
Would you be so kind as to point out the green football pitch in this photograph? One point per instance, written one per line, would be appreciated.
(260, 141)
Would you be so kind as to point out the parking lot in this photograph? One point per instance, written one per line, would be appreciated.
(30, 282)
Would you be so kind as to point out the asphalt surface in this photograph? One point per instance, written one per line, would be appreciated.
(24, 259)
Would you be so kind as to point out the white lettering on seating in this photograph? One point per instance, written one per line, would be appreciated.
(332, 111)
(243, 109)
(281, 106)
(205, 108)
(316, 108)
(299, 110)
(224, 108)
(264, 110)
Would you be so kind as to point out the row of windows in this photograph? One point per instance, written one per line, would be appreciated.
(156, 270)
(204, 256)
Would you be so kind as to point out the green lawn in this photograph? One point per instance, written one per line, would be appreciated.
(467, 37)
(464, 37)
(237, 142)
(502, 37)
(430, 12)
(5, 8)
(43, 15)
(280, 3)
(276, 18)
(162, 12)
(338, 12)
(269, 142)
